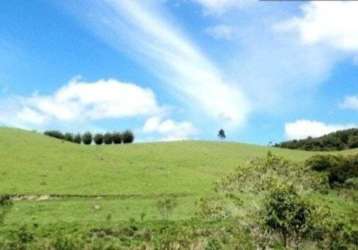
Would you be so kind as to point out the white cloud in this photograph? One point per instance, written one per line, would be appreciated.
(302, 129)
(146, 31)
(81, 101)
(350, 102)
(221, 31)
(333, 23)
(222, 6)
(168, 129)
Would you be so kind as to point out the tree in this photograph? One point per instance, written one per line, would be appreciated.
(107, 138)
(287, 214)
(77, 139)
(87, 138)
(127, 136)
(117, 138)
(55, 134)
(221, 134)
(68, 137)
(98, 139)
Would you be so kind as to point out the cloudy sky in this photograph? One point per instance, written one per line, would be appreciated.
(180, 69)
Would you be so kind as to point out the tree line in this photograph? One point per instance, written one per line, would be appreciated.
(340, 140)
(88, 138)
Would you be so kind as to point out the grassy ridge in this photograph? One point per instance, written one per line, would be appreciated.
(135, 175)
(34, 164)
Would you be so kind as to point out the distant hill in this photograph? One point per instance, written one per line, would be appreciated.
(340, 140)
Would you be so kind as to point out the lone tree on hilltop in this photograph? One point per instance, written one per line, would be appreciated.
(221, 134)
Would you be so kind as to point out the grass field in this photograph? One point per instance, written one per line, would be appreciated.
(63, 182)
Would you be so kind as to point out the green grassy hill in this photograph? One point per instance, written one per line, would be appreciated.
(129, 178)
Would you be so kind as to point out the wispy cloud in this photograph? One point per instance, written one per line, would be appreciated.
(330, 23)
(219, 7)
(350, 102)
(221, 31)
(146, 31)
(301, 129)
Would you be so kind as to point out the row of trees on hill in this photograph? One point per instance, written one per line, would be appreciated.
(89, 138)
(340, 140)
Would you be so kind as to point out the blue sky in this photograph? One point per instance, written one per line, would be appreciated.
(180, 69)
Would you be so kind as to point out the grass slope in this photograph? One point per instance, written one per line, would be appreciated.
(134, 175)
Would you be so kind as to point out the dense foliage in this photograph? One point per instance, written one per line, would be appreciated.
(338, 168)
(98, 139)
(284, 209)
(340, 140)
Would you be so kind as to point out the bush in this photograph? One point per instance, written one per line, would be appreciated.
(98, 139)
(107, 138)
(287, 214)
(127, 136)
(55, 134)
(323, 162)
(68, 137)
(77, 139)
(353, 142)
(87, 138)
(117, 138)
(338, 168)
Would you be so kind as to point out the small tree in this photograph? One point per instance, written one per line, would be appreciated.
(128, 137)
(221, 134)
(77, 139)
(107, 138)
(117, 138)
(287, 214)
(68, 137)
(87, 138)
(98, 139)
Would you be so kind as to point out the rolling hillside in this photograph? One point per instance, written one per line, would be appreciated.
(128, 178)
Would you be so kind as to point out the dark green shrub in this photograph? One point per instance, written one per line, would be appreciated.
(68, 137)
(128, 136)
(324, 162)
(87, 138)
(55, 134)
(353, 142)
(334, 141)
(287, 214)
(338, 168)
(107, 138)
(98, 139)
(77, 139)
(117, 138)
